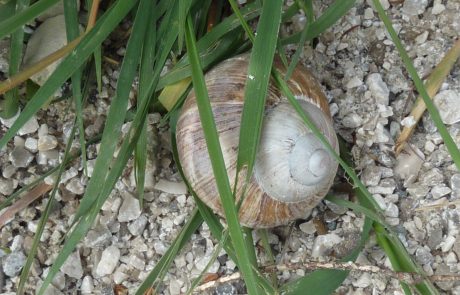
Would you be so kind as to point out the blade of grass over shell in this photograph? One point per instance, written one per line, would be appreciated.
(256, 88)
(434, 113)
(100, 187)
(14, 22)
(364, 196)
(73, 31)
(217, 161)
(69, 65)
(11, 103)
(167, 259)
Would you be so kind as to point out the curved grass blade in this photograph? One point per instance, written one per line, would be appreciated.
(73, 31)
(217, 161)
(434, 113)
(69, 65)
(17, 20)
(11, 104)
(44, 217)
(256, 88)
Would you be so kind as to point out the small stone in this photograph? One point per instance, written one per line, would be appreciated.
(13, 263)
(378, 88)
(363, 281)
(424, 256)
(226, 289)
(46, 143)
(171, 187)
(448, 104)
(175, 287)
(9, 171)
(29, 127)
(392, 210)
(20, 157)
(429, 146)
(438, 7)
(137, 226)
(385, 187)
(308, 227)
(6, 186)
(420, 39)
(108, 262)
(368, 13)
(380, 200)
(31, 144)
(130, 209)
(417, 190)
(352, 120)
(87, 285)
(120, 274)
(47, 38)
(408, 121)
(354, 82)
(371, 175)
(447, 244)
(75, 186)
(324, 243)
(432, 177)
(98, 237)
(440, 191)
(450, 259)
(455, 185)
(72, 266)
(136, 262)
(414, 7)
(409, 162)
(50, 158)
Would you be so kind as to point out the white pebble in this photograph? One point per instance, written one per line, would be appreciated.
(108, 262)
(171, 187)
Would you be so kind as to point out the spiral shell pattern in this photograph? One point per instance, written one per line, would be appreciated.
(292, 172)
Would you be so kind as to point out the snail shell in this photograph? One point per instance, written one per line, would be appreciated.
(292, 171)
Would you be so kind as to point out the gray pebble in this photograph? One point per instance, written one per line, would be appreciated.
(20, 157)
(13, 263)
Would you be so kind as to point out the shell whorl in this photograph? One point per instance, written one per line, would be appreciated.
(292, 172)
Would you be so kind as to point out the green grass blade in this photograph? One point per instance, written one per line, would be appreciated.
(434, 113)
(14, 22)
(147, 63)
(217, 161)
(44, 217)
(163, 265)
(117, 111)
(11, 104)
(70, 64)
(7, 10)
(73, 31)
(255, 94)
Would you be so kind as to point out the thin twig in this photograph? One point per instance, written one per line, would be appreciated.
(432, 85)
(22, 203)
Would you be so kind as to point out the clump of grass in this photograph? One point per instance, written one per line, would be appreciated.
(165, 30)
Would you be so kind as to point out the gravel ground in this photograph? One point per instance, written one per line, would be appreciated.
(370, 96)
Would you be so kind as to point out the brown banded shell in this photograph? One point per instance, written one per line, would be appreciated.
(293, 171)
